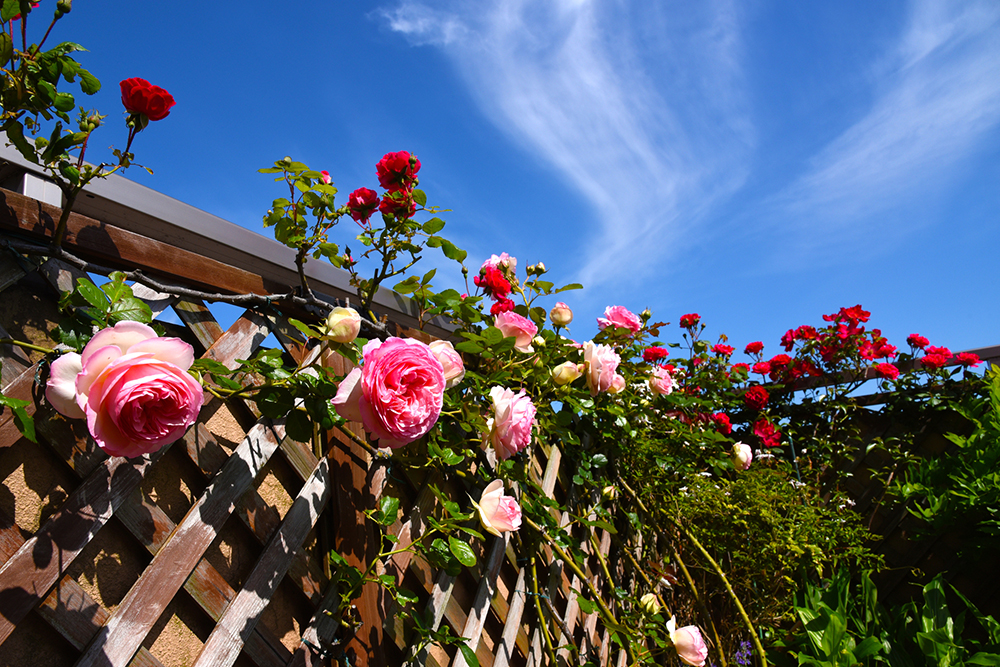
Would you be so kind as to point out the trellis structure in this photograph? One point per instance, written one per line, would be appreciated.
(211, 551)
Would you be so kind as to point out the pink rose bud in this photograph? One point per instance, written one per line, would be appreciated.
(742, 456)
(325, 177)
(512, 422)
(342, 325)
(620, 317)
(498, 513)
(617, 384)
(688, 642)
(561, 315)
(451, 362)
(566, 372)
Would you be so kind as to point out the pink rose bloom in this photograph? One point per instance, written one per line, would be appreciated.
(397, 393)
(512, 421)
(688, 642)
(518, 327)
(661, 381)
(131, 385)
(503, 262)
(325, 177)
(451, 362)
(498, 513)
(602, 366)
(619, 316)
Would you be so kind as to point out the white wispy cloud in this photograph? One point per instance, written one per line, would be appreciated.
(650, 139)
(936, 95)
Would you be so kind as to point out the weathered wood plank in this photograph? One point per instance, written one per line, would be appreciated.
(149, 597)
(157, 301)
(27, 577)
(241, 617)
(484, 594)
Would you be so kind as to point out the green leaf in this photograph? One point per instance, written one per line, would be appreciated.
(15, 132)
(597, 523)
(433, 226)
(470, 346)
(451, 251)
(11, 8)
(274, 402)
(64, 102)
(131, 308)
(469, 655)
(463, 552)
(565, 288)
(586, 606)
(304, 328)
(298, 426)
(492, 336)
(92, 294)
(420, 197)
(24, 422)
(210, 366)
(387, 511)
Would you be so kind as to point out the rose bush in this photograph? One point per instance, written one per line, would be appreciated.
(132, 387)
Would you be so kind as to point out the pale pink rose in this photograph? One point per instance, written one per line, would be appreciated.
(661, 381)
(617, 384)
(602, 366)
(742, 456)
(342, 325)
(498, 513)
(567, 371)
(512, 421)
(503, 262)
(560, 315)
(619, 316)
(451, 362)
(131, 385)
(688, 642)
(397, 393)
(519, 327)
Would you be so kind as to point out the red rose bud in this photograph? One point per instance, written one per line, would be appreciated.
(141, 97)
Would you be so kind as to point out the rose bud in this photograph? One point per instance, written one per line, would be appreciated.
(451, 362)
(561, 315)
(688, 642)
(649, 604)
(498, 513)
(566, 372)
(742, 456)
(342, 325)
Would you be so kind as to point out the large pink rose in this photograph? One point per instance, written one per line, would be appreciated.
(398, 392)
(602, 367)
(513, 418)
(620, 316)
(661, 381)
(519, 327)
(132, 386)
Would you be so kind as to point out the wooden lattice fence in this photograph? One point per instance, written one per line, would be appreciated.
(211, 551)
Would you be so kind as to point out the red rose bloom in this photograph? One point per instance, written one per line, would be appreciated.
(690, 321)
(918, 341)
(722, 423)
(805, 332)
(492, 282)
(941, 351)
(753, 348)
(780, 361)
(741, 369)
(933, 361)
(501, 306)
(361, 204)
(887, 371)
(397, 171)
(762, 368)
(724, 350)
(139, 96)
(969, 359)
(398, 204)
(768, 433)
(755, 398)
(788, 340)
(653, 354)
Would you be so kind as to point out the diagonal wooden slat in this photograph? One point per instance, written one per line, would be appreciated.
(156, 587)
(239, 620)
(481, 605)
(28, 576)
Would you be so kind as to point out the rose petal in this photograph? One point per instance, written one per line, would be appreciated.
(171, 350)
(60, 391)
(347, 400)
(124, 335)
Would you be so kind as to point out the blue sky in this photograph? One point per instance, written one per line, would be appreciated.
(760, 163)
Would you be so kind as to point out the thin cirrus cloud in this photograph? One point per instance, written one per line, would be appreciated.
(652, 139)
(936, 97)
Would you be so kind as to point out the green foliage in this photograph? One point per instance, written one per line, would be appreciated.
(842, 626)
